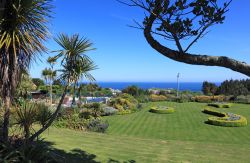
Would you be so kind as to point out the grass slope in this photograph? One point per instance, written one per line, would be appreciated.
(147, 137)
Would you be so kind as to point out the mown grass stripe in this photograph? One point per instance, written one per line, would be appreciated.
(147, 137)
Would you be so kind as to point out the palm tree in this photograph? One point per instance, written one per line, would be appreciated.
(49, 76)
(52, 62)
(74, 49)
(75, 65)
(23, 28)
(45, 75)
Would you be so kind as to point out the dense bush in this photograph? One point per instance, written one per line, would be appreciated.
(81, 119)
(43, 87)
(28, 153)
(72, 122)
(43, 113)
(38, 82)
(242, 99)
(142, 98)
(85, 114)
(107, 111)
(220, 105)
(228, 87)
(133, 90)
(226, 122)
(155, 98)
(124, 102)
(162, 110)
(26, 113)
(94, 108)
(123, 112)
(70, 118)
(234, 87)
(184, 98)
(225, 119)
(97, 125)
(207, 99)
(93, 90)
(171, 97)
(66, 113)
(92, 105)
(213, 112)
(209, 88)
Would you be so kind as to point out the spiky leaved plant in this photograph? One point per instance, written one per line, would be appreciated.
(23, 28)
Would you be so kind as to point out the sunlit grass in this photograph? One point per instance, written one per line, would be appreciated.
(147, 137)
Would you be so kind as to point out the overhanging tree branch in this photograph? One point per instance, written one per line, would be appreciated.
(178, 22)
(206, 60)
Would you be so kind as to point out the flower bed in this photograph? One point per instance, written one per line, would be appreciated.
(162, 110)
(220, 105)
(225, 119)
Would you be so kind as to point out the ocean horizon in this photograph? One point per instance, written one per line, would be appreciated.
(190, 86)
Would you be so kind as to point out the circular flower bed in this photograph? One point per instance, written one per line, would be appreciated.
(220, 105)
(162, 110)
(225, 119)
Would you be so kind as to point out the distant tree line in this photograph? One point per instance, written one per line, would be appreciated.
(228, 87)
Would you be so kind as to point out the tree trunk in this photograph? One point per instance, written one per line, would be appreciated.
(52, 118)
(51, 100)
(9, 80)
(27, 132)
(221, 61)
(5, 129)
(74, 96)
(79, 93)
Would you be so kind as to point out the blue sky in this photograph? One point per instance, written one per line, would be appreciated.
(123, 54)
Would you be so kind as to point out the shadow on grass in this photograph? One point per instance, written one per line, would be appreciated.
(76, 156)
(115, 161)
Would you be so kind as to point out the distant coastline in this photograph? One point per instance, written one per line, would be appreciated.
(191, 86)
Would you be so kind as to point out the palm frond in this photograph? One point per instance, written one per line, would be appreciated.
(76, 64)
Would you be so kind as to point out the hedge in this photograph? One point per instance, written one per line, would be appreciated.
(220, 105)
(164, 110)
(214, 112)
(206, 99)
(155, 98)
(225, 119)
(226, 123)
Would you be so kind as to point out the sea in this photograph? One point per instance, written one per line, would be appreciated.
(190, 86)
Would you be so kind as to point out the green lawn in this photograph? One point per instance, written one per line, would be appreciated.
(148, 137)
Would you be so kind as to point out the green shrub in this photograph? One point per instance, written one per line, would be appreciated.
(72, 122)
(71, 118)
(220, 105)
(214, 112)
(43, 114)
(171, 97)
(204, 99)
(107, 111)
(225, 119)
(25, 117)
(85, 114)
(124, 102)
(92, 105)
(142, 98)
(242, 99)
(66, 113)
(162, 110)
(97, 125)
(33, 152)
(155, 98)
(123, 112)
(208, 99)
(227, 123)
